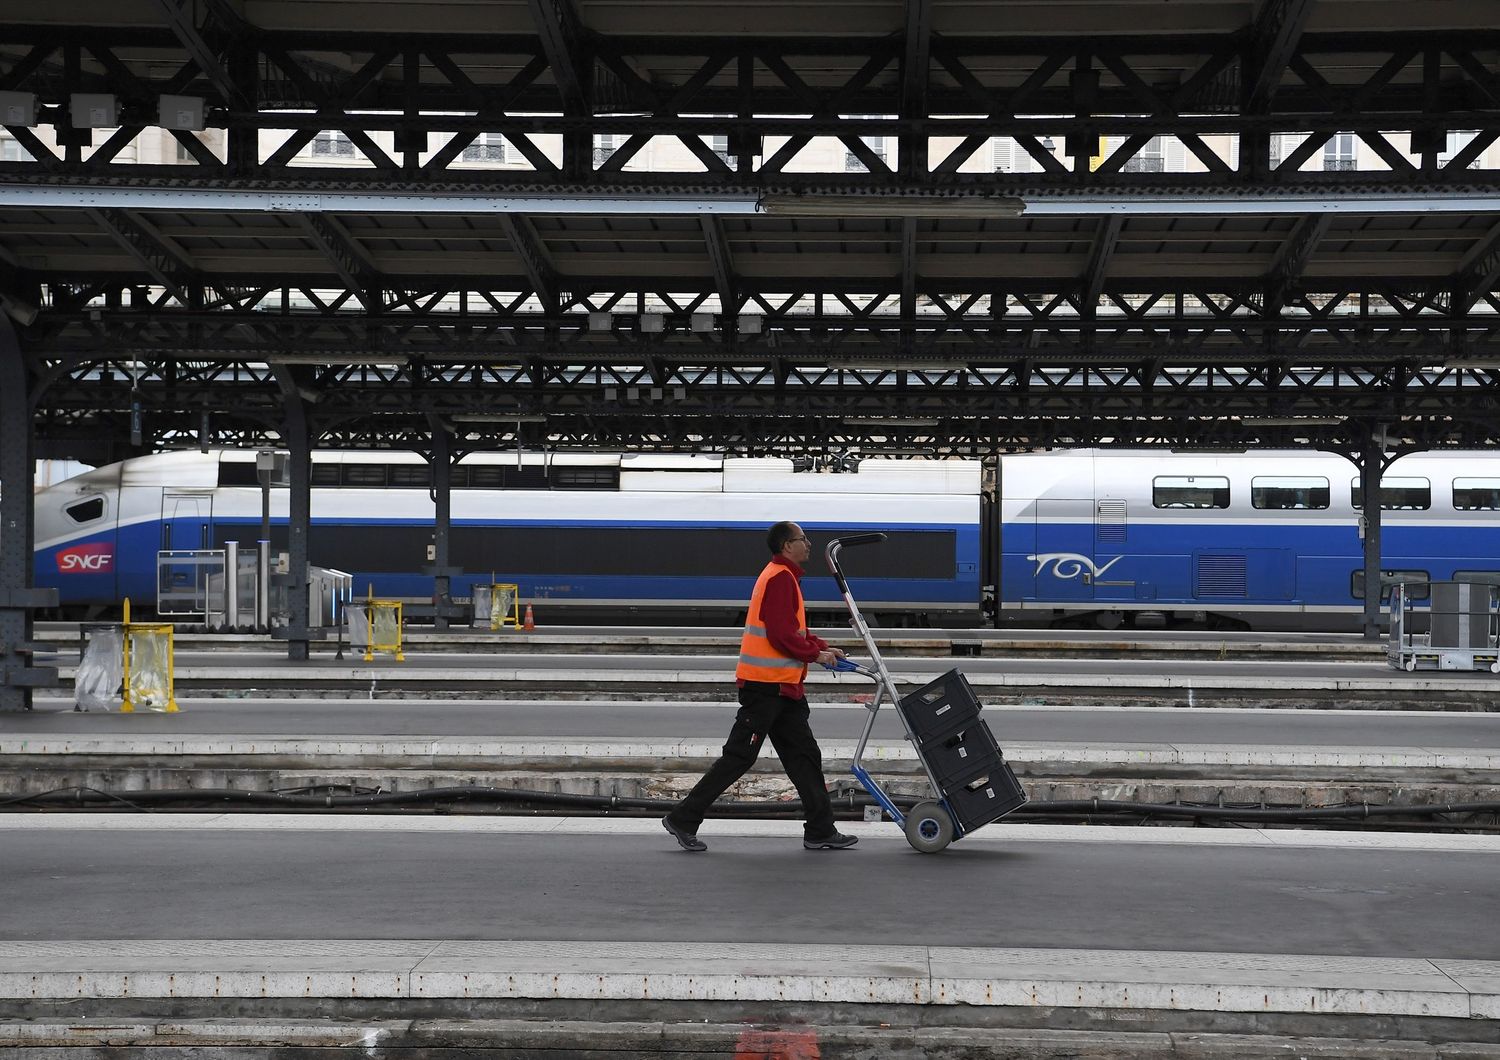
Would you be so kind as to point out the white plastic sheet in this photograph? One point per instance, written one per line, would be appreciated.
(97, 683)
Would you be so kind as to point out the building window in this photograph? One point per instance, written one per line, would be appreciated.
(1456, 141)
(1008, 156)
(877, 144)
(331, 143)
(1149, 159)
(605, 145)
(1338, 152)
(1190, 491)
(1288, 494)
(487, 147)
(719, 145)
(12, 151)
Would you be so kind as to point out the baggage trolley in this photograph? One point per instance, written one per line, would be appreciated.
(973, 784)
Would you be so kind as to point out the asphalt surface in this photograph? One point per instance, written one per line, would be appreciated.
(208, 884)
(1106, 726)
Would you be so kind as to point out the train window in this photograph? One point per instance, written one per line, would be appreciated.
(485, 476)
(1396, 494)
(1476, 494)
(410, 475)
(86, 511)
(1482, 577)
(325, 474)
(237, 473)
(1190, 491)
(586, 478)
(363, 474)
(1286, 494)
(1417, 587)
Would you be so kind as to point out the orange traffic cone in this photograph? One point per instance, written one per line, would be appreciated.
(530, 623)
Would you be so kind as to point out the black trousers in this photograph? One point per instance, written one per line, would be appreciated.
(765, 712)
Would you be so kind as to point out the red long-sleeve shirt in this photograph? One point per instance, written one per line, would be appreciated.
(778, 610)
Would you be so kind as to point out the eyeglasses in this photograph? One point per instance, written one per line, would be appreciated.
(794, 540)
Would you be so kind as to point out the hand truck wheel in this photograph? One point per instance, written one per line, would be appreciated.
(929, 828)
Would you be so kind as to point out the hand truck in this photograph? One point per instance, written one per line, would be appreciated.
(973, 784)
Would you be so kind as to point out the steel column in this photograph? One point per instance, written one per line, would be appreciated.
(17, 510)
(1371, 464)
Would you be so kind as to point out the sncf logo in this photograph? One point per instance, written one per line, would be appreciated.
(96, 558)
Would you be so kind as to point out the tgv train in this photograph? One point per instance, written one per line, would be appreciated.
(599, 537)
(1264, 540)
(1096, 537)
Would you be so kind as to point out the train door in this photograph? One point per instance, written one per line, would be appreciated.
(182, 573)
(1111, 536)
(1064, 558)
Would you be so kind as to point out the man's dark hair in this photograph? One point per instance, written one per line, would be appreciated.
(779, 535)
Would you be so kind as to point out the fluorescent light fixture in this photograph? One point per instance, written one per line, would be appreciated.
(865, 205)
(1473, 362)
(184, 113)
(498, 417)
(1292, 421)
(374, 360)
(93, 110)
(888, 421)
(18, 108)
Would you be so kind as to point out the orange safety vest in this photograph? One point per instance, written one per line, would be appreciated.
(759, 660)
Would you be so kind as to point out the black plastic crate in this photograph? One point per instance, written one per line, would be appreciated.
(958, 753)
(941, 706)
(985, 795)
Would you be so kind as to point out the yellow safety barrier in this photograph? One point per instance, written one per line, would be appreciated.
(149, 666)
(505, 605)
(384, 628)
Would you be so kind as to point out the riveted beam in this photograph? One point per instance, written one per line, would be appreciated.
(1292, 258)
(561, 33)
(164, 261)
(1106, 236)
(908, 270)
(1273, 41)
(180, 17)
(344, 253)
(722, 263)
(1477, 272)
(534, 260)
(915, 68)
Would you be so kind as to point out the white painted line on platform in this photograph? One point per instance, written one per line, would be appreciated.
(189, 704)
(999, 834)
(737, 971)
(610, 749)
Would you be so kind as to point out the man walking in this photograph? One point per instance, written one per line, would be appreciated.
(774, 652)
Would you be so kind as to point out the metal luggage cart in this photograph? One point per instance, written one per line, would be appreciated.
(1463, 633)
(972, 782)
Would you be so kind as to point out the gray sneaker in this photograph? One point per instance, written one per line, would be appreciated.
(837, 841)
(685, 839)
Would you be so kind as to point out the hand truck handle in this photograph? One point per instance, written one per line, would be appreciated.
(831, 553)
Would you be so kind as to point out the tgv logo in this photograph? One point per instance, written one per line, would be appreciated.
(98, 558)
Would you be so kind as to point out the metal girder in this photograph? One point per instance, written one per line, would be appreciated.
(915, 68)
(1292, 257)
(393, 93)
(561, 33)
(1106, 236)
(1273, 41)
(165, 262)
(534, 260)
(908, 269)
(348, 258)
(721, 262)
(180, 17)
(1478, 272)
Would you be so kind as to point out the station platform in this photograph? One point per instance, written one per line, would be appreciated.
(1019, 926)
(656, 749)
(1188, 682)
